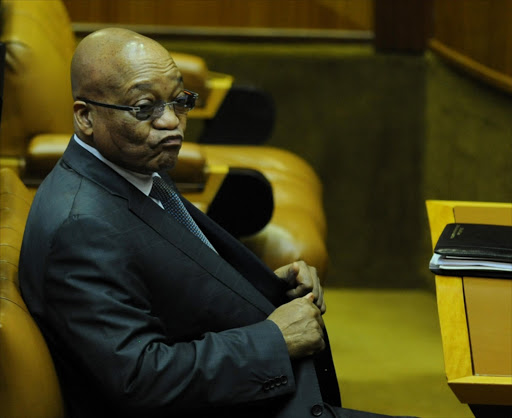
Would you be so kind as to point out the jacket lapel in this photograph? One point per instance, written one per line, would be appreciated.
(241, 258)
(172, 231)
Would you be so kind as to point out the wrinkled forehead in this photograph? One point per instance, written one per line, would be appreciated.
(138, 64)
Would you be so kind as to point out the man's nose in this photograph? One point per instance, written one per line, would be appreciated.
(168, 119)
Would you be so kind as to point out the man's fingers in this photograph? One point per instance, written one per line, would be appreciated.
(302, 326)
(320, 302)
(303, 280)
(293, 272)
(323, 308)
(296, 292)
(310, 296)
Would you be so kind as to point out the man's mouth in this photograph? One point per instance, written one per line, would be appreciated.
(172, 141)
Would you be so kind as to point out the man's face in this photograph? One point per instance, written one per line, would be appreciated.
(142, 78)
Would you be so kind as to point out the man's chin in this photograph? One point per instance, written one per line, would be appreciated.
(165, 164)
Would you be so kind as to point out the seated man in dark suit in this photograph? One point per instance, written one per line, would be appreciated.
(150, 308)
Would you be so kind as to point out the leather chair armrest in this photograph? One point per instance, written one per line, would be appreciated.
(43, 152)
(218, 85)
(292, 178)
(290, 235)
(194, 178)
(191, 168)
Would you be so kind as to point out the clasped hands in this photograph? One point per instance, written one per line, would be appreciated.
(300, 320)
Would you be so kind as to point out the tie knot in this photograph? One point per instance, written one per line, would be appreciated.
(173, 205)
(161, 190)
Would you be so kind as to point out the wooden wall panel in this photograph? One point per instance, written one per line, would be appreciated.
(476, 35)
(299, 14)
(402, 25)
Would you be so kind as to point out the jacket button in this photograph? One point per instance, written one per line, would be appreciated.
(266, 386)
(317, 410)
(284, 380)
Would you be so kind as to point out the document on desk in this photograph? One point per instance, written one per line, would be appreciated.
(473, 250)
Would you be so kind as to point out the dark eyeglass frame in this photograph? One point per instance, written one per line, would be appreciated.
(181, 106)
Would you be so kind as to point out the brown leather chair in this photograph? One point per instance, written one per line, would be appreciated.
(297, 229)
(37, 124)
(28, 381)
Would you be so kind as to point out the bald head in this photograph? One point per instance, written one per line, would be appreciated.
(103, 58)
(115, 73)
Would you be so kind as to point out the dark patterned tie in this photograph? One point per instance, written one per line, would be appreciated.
(174, 206)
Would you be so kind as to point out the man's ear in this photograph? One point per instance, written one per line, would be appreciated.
(83, 118)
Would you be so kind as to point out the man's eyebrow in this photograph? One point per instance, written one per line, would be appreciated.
(140, 86)
(147, 86)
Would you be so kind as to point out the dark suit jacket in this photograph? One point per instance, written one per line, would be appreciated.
(142, 319)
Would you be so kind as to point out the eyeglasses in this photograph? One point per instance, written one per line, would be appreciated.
(181, 106)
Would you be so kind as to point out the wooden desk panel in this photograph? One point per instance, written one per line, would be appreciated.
(488, 304)
(489, 312)
(478, 372)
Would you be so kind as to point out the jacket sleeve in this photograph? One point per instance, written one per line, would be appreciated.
(100, 315)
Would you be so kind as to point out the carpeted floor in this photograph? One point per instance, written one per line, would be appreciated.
(388, 353)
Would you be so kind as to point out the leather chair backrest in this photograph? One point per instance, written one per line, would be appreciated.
(39, 46)
(28, 382)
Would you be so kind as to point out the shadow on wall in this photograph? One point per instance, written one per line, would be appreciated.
(384, 132)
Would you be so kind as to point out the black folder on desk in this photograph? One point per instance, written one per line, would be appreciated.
(475, 250)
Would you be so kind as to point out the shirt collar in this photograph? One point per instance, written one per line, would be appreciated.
(143, 182)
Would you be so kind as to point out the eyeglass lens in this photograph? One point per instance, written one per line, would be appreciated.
(181, 106)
